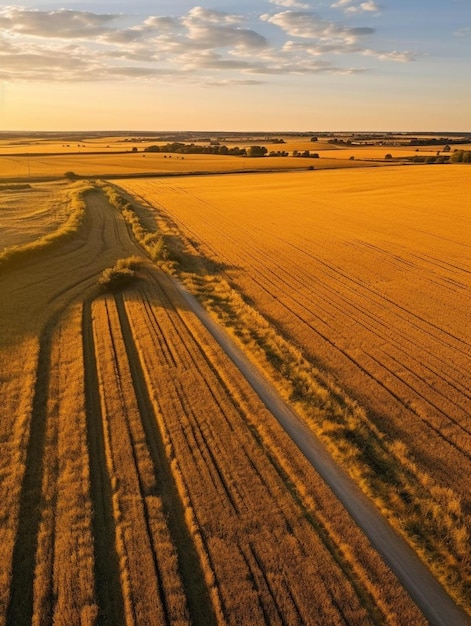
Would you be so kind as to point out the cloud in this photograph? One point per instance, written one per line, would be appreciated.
(233, 82)
(290, 3)
(323, 48)
(308, 25)
(463, 32)
(63, 24)
(203, 46)
(350, 7)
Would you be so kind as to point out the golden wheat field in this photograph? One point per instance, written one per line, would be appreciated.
(44, 209)
(367, 272)
(112, 165)
(143, 482)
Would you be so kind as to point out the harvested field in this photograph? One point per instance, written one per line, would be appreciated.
(368, 273)
(143, 481)
(30, 211)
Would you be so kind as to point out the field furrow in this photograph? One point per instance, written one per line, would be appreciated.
(20, 606)
(53, 562)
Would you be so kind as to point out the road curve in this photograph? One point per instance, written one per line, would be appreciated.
(436, 605)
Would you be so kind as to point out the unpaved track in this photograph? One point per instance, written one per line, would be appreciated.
(432, 599)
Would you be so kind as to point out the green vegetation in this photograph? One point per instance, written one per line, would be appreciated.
(185, 148)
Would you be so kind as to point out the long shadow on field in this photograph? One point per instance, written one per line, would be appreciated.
(107, 578)
(199, 603)
(20, 607)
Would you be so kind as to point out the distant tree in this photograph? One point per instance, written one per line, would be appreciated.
(71, 175)
(461, 156)
(388, 157)
(257, 151)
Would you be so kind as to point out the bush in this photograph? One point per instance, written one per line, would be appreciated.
(71, 175)
(120, 275)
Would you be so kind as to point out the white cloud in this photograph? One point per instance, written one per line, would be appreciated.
(294, 4)
(202, 46)
(349, 6)
(309, 26)
(63, 24)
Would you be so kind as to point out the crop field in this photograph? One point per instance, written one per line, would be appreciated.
(367, 272)
(143, 481)
(107, 165)
(45, 209)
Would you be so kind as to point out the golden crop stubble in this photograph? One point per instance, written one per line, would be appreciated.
(150, 582)
(240, 506)
(18, 366)
(73, 540)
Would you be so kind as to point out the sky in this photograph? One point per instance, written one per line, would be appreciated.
(258, 65)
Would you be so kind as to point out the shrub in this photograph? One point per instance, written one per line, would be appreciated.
(120, 275)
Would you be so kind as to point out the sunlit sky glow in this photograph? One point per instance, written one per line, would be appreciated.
(236, 65)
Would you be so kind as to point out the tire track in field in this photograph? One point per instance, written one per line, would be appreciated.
(107, 576)
(20, 607)
(199, 603)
